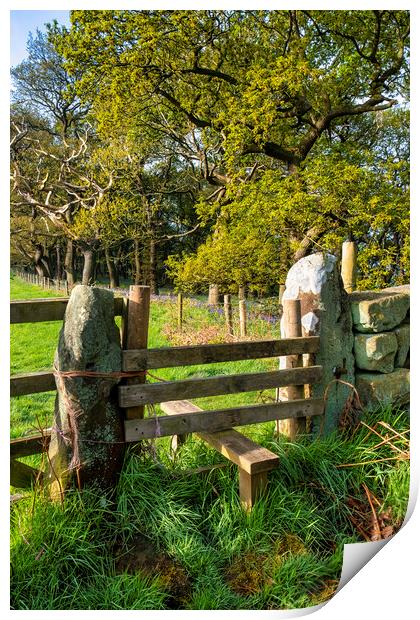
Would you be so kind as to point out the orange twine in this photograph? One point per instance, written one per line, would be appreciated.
(96, 374)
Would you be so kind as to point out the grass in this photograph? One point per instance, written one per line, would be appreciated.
(170, 540)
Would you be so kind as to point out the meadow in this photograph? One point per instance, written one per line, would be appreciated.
(172, 538)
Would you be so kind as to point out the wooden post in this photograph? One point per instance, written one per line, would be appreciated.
(293, 329)
(180, 301)
(136, 334)
(242, 318)
(349, 265)
(251, 487)
(241, 292)
(282, 288)
(213, 298)
(228, 314)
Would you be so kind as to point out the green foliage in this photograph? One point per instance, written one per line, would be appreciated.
(254, 244)
(249, 74)
(238, 141)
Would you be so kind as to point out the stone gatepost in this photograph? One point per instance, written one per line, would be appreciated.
(87, 441)
(325, 311)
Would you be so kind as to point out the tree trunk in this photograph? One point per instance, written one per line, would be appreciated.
(312, 235)
(58, 261)
(41, 265)
(114, 280)
(137, 262)
(154, 290)
(68, 263)
(88, 264)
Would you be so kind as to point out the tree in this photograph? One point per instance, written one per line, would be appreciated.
(42, 85)
(270, 107)
(149, 205)
(254, 82)
(48, 140)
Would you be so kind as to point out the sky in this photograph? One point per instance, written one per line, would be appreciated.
(24, 22)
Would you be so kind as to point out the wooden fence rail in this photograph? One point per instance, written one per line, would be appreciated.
(32, 383)
(132, 395)
(32, 444)
(170, 357)
(220, 420)
(38, 310)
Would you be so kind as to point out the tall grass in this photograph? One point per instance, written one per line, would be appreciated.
(286, 553)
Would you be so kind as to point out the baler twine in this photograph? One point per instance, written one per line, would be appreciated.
(71, 437)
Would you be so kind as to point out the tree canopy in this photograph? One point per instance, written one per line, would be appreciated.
(285, 130)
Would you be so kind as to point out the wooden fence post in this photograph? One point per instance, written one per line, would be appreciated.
(282, 288)
(180, 303)
(213, 298)
(349, 265)
(137, 329)
(242, 318)
(293, 329)
(228, 314)
(241, 292)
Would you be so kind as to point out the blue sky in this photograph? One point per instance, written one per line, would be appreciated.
(24, 22)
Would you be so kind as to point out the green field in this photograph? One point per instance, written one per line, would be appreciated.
(172, 540)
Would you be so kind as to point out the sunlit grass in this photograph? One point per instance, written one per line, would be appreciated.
(286, 553)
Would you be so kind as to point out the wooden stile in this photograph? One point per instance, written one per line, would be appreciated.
(233, 445)
(171, 357)
(253, 461)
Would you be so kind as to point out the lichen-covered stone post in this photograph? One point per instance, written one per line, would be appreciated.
(87, 440)
(325, 310)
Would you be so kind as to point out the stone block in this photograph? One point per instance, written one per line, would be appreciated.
(393, 387)
(379, 311)
(403, 337)
(375, 351)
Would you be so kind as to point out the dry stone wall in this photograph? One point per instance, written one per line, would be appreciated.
(381, 326)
